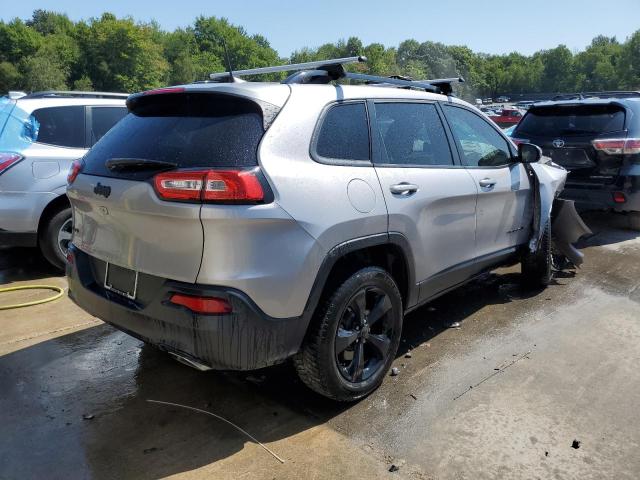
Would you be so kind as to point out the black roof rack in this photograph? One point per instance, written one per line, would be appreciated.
(325, 71)
(66, 94)
(606, 94)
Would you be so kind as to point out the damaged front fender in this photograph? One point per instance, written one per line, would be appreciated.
(547, 181)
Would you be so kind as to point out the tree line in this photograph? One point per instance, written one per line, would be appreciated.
(51, 52)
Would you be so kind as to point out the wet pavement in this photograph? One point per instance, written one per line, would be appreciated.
(503, 396)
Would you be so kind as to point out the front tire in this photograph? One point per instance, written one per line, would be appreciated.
(536, 266)
(353, 338)
(54, 237)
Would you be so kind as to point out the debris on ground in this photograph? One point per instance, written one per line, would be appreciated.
(393, 468)
(546, 454)
(88, 416)
(454, 325)
(147, 451)
(576, 444)
(407, 355)
(394, 371)
(251, 437)
(413, 396)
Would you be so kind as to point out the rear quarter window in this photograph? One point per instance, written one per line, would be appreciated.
(343, 134)
(572, 120)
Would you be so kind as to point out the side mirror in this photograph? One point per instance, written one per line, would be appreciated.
(529, 153)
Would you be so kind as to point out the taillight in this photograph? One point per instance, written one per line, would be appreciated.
(204, 305)
(237, 186)
(619, 197)
(518, 141)
(7, 160)
(74, 171)
(618, 146)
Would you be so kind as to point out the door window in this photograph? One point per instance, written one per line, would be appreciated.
(62, 126)
(412, 134)
(344, 134)
(103, 118)
(479, 144)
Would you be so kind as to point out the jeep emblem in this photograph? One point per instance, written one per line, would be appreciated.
(558, 143)
(103, 190)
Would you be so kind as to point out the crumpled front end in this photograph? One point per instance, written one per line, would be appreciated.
(566, 225)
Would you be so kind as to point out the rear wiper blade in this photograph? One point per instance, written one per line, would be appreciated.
(135, 164)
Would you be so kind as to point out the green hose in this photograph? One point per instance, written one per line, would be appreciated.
(60, 293)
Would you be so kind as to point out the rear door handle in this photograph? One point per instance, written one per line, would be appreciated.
(487, 183)
(404, 189)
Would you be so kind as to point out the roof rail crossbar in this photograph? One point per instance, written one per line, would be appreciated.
(326, 65)
(71, 94)
(390, 81)
(324, 71)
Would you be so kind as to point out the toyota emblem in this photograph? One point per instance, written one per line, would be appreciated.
(558, 143)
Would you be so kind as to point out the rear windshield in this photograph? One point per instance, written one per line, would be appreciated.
(189, 130)
(572, 120)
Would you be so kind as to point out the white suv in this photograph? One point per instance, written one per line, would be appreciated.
(40, 135)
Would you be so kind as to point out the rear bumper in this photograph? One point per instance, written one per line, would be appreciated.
(246, 339)
(601, 197)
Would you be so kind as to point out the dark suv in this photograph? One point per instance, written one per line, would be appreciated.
(598, 141)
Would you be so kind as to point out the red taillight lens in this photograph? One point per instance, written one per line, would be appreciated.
(179, 185)
(619, 197)
(618, 146)
(8, 159)
(204, 305)
(209, 186)
(232, 186)
(518, 141)
(74, 171)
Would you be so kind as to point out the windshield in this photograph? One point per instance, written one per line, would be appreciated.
(572, 120)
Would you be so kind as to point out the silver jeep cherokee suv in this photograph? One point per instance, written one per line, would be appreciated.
(238, 224)
(40, 135)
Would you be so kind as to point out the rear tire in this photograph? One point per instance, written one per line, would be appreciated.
(54, 237)
(353, 337)
(536, 266)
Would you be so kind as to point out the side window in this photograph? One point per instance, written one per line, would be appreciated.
(412, 134)
(344, 134)
(477, 141)
(103, 118)
(62, 126)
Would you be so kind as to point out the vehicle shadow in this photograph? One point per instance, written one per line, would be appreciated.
(22, 264)
(608, 228)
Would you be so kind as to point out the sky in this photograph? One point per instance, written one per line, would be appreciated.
(489, 26)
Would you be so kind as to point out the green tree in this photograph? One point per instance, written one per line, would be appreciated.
(18, 41)
(41, 72)
(10, 77)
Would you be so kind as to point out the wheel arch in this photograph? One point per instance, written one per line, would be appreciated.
(50, 210)
(390, 251)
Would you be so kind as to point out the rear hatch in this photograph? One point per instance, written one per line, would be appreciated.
(568, 133)
(137, 198)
